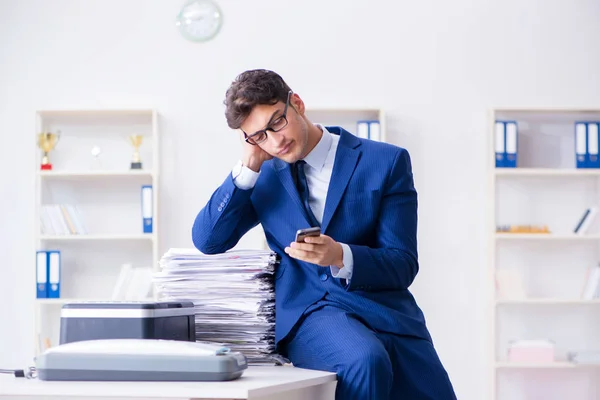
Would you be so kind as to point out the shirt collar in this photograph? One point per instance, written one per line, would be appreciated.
(317, 157)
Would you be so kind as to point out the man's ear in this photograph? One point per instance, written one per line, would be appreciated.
(297, 103)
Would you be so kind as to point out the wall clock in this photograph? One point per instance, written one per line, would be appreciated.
(199, 20)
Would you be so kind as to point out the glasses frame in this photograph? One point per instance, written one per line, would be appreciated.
(269, 128)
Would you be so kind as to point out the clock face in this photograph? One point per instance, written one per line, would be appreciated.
(199, 20)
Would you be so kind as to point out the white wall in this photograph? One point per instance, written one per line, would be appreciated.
(435, 66)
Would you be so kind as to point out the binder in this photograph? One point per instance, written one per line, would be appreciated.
(511, 143)
(375, 131)
(54, 274)
(147, 208)
(362, 129)
(592, 160)
(581, 145)
(41, 273)
(499, 146)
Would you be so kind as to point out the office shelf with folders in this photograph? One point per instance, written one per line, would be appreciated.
(544, 263)
(96, 206)
(546, 141)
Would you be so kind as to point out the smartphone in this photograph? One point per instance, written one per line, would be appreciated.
(302, 233)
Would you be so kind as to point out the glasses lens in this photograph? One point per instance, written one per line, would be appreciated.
(258, 138)
(279, 124)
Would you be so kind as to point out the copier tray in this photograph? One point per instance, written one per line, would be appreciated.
(139, 360)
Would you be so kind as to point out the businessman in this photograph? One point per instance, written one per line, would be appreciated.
(342, 299)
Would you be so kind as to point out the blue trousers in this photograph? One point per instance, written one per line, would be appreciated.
(368, 364)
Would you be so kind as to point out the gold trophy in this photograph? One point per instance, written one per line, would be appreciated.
(136, 141)
(47, 142)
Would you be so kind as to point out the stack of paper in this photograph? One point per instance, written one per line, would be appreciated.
(233, 294)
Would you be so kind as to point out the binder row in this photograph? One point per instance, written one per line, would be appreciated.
(506, 139)
(586, 144)
(48, 266)
(369, 129)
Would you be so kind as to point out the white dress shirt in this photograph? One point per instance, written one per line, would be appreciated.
(318, 169)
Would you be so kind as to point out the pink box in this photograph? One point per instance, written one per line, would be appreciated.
(531, 352)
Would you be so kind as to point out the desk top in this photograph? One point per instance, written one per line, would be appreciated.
(256, 381)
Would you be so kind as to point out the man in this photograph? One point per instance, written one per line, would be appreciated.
(342, 298)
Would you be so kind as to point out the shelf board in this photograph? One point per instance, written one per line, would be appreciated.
(547, 172)
(96, 113)
(547, 301)
(544, 236)
(552, 365)
(73, 174)
(143, 236)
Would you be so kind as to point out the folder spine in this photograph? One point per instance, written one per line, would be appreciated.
(592, 145)
(147, 209)
(581, 152)
(54, 274)
(499, 144)
(41, 266)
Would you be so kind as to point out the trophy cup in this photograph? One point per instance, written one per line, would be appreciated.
(136, 141)
(47, 142)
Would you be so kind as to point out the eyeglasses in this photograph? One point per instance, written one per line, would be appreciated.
(275, 125)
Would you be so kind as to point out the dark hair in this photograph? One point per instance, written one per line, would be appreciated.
(250, 88)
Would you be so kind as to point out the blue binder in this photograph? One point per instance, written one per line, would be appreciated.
(592, 159)
(41, 273)
(506, 144)
(147, 209)
(499, 144)
(54, 267)
(375, 130)
(581, 145)
(511, 143)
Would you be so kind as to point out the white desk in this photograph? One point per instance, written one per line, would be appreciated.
(257, 382)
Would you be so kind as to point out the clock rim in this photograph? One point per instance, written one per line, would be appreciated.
(185, 34)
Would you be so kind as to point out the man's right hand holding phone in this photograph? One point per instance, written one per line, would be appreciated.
(321, 250)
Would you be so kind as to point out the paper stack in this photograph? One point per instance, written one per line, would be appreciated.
(233, 294)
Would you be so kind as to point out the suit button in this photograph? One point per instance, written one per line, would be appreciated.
(323, 277)
(220, 209)
(226, 195)
(222, 205)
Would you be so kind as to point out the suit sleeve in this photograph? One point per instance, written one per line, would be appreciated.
(392, 262)
(226, 217)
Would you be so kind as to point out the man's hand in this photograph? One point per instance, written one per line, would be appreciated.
(321, 250)
(254, 155)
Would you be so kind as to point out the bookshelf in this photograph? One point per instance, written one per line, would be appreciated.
(347, 118)
(88, 207)
(537, 279)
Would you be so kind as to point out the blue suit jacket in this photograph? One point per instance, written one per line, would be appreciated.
(371, 205)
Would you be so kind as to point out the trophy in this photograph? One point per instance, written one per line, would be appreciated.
(136, 141)
(47, 142)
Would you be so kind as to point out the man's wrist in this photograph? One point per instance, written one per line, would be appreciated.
(339, 259)
(252, 163)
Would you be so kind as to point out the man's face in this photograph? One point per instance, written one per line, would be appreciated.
(289, 142)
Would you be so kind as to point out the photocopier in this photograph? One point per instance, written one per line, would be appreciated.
(135, 341)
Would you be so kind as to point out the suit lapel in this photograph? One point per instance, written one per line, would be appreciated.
(346, 158)
(284, 172)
